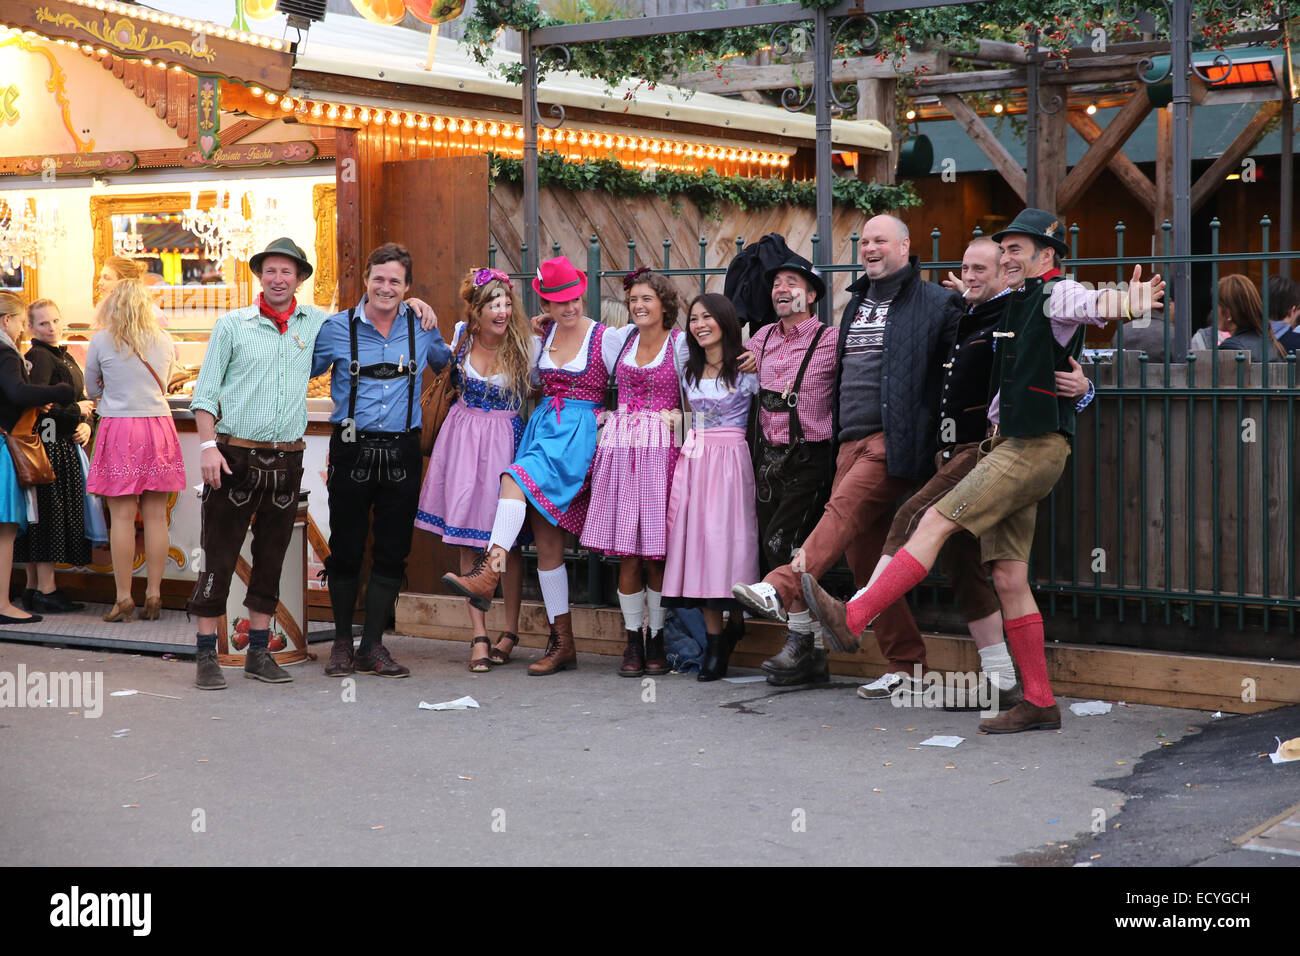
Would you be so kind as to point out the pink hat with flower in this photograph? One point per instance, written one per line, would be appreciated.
(558, 280)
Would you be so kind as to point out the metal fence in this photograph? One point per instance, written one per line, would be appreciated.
(1174, 525)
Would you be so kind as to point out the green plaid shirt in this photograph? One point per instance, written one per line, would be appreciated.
(253, 379)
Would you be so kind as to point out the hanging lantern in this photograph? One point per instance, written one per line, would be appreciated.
(387, 12)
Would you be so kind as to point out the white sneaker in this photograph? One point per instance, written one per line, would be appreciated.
(762, 599)
(886, 685)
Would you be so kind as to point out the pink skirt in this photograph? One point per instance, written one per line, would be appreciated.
(712, 527)
(133, 455)
(461, 487)
(630, 478)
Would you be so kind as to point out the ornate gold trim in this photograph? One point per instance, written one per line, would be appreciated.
(104, 208)
(324, 203)
(56, 84)
(124, 35)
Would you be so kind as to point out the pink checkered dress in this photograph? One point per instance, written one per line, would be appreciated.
(633, 470)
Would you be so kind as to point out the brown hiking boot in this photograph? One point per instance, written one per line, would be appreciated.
(560, 652)
(260, 665)
(1023, 716)
(656, 661)
(480, 585)
(340, 664)
(832, 616)
(633, 656)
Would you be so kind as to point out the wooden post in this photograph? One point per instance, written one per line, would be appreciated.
(1051, 156)
(1164, 171)
(347, 183)
(877, 102)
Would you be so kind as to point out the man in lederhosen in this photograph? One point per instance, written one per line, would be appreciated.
(378, 352)
(884, 371)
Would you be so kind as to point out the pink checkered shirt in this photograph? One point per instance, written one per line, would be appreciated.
(779, 355)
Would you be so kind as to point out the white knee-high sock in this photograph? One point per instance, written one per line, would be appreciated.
(508, 522)
(657, 612)
(633, 606)
(996, 662)
(555, 591)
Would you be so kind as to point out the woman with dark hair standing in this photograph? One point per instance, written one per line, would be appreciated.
(494, 351)
(634, 463)
(1242, 311)
(59, 533)
(712, 525)
(16, 396)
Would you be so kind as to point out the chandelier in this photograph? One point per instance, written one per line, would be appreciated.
(30, 229)
(226, 232)
(129, 243)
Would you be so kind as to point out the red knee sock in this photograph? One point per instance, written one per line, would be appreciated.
(1025, 635)
(901, 574)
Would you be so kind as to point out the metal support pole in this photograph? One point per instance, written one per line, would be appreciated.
(825, 250)
(1181, 285)
(1287, 159)
(531, 225)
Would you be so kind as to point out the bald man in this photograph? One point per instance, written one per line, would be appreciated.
(893, 338)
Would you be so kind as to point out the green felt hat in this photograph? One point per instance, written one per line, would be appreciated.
(286, 247)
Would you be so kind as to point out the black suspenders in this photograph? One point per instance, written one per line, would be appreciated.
(381, 370)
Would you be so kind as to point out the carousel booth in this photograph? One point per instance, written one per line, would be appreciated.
(187, 146)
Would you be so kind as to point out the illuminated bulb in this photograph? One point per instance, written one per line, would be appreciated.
(271, 98)
(256, 91)
(731, 155)
(286, 104)
(710, 153)
(584, 140)
(911, 115)
(438, 124)
(573, 137)
(347, 112)
(492, 129)
(546, 136)
(410, 121)
(997, 108)
(332, 112)
(394, 119)
(424, 122)
(519, 132)
(479, 128)
(620, 142)
(785, 161)
(679, 149)
(364, 115)
(654, 147)
(1092, 108)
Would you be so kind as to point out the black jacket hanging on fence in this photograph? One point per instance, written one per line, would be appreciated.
(746, 285)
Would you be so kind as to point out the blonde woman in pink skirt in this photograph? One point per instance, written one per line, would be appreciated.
(137, 458)
(493, 352)
(712, 525)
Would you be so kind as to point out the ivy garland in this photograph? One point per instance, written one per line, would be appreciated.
(1060, 24)
(707, 189)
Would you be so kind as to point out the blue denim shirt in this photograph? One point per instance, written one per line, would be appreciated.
(381, 403)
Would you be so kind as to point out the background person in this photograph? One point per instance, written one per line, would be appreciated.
(59, 533)
(16, 396)
(137, 460)
(1242, 312)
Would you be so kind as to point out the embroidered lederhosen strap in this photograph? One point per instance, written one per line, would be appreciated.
(788, 402)
(381, 370)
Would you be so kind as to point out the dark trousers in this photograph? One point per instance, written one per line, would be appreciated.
(791, 484)
(262, 487)
(379, 475)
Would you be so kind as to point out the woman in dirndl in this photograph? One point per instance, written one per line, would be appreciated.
(494, 352)
(16, 396)
(59, 533)
(633, 468)
(137, 460)
(712, 525)
(548, 482)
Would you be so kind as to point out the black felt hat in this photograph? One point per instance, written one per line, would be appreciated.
(1040, 224)
(804, 268)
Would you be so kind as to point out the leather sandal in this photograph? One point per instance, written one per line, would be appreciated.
(501, 655)
(123, 610)
(479, 665)
(152, 609)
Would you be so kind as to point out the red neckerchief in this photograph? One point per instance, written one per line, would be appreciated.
(1051, 274)
(281, 319)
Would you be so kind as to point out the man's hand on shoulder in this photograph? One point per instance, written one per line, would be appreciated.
(424, 312)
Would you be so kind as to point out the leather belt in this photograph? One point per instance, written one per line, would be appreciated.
(234, 442)
(379, 436)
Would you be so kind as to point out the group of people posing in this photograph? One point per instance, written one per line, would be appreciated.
(961, 396)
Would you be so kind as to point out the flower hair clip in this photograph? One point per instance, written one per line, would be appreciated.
(632, 278)
(484, 276)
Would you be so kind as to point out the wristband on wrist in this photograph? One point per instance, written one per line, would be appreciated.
(205, 445)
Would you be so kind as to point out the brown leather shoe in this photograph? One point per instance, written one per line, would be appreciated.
(633, 656)
(831, 614)
(560, 652)
(340, 663)
(1023, 716)
(379, 662)
(480, 585)
(656, 660)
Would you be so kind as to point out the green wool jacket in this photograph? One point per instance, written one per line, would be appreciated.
(1025, 364)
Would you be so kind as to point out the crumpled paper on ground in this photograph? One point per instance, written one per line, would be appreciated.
(1287, 750)
(1092, 708)
(942, 740)
(460, 703)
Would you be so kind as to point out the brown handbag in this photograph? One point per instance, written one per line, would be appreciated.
(31, 464)
(436, 401)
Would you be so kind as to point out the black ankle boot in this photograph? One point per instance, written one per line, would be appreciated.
(717, 654)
